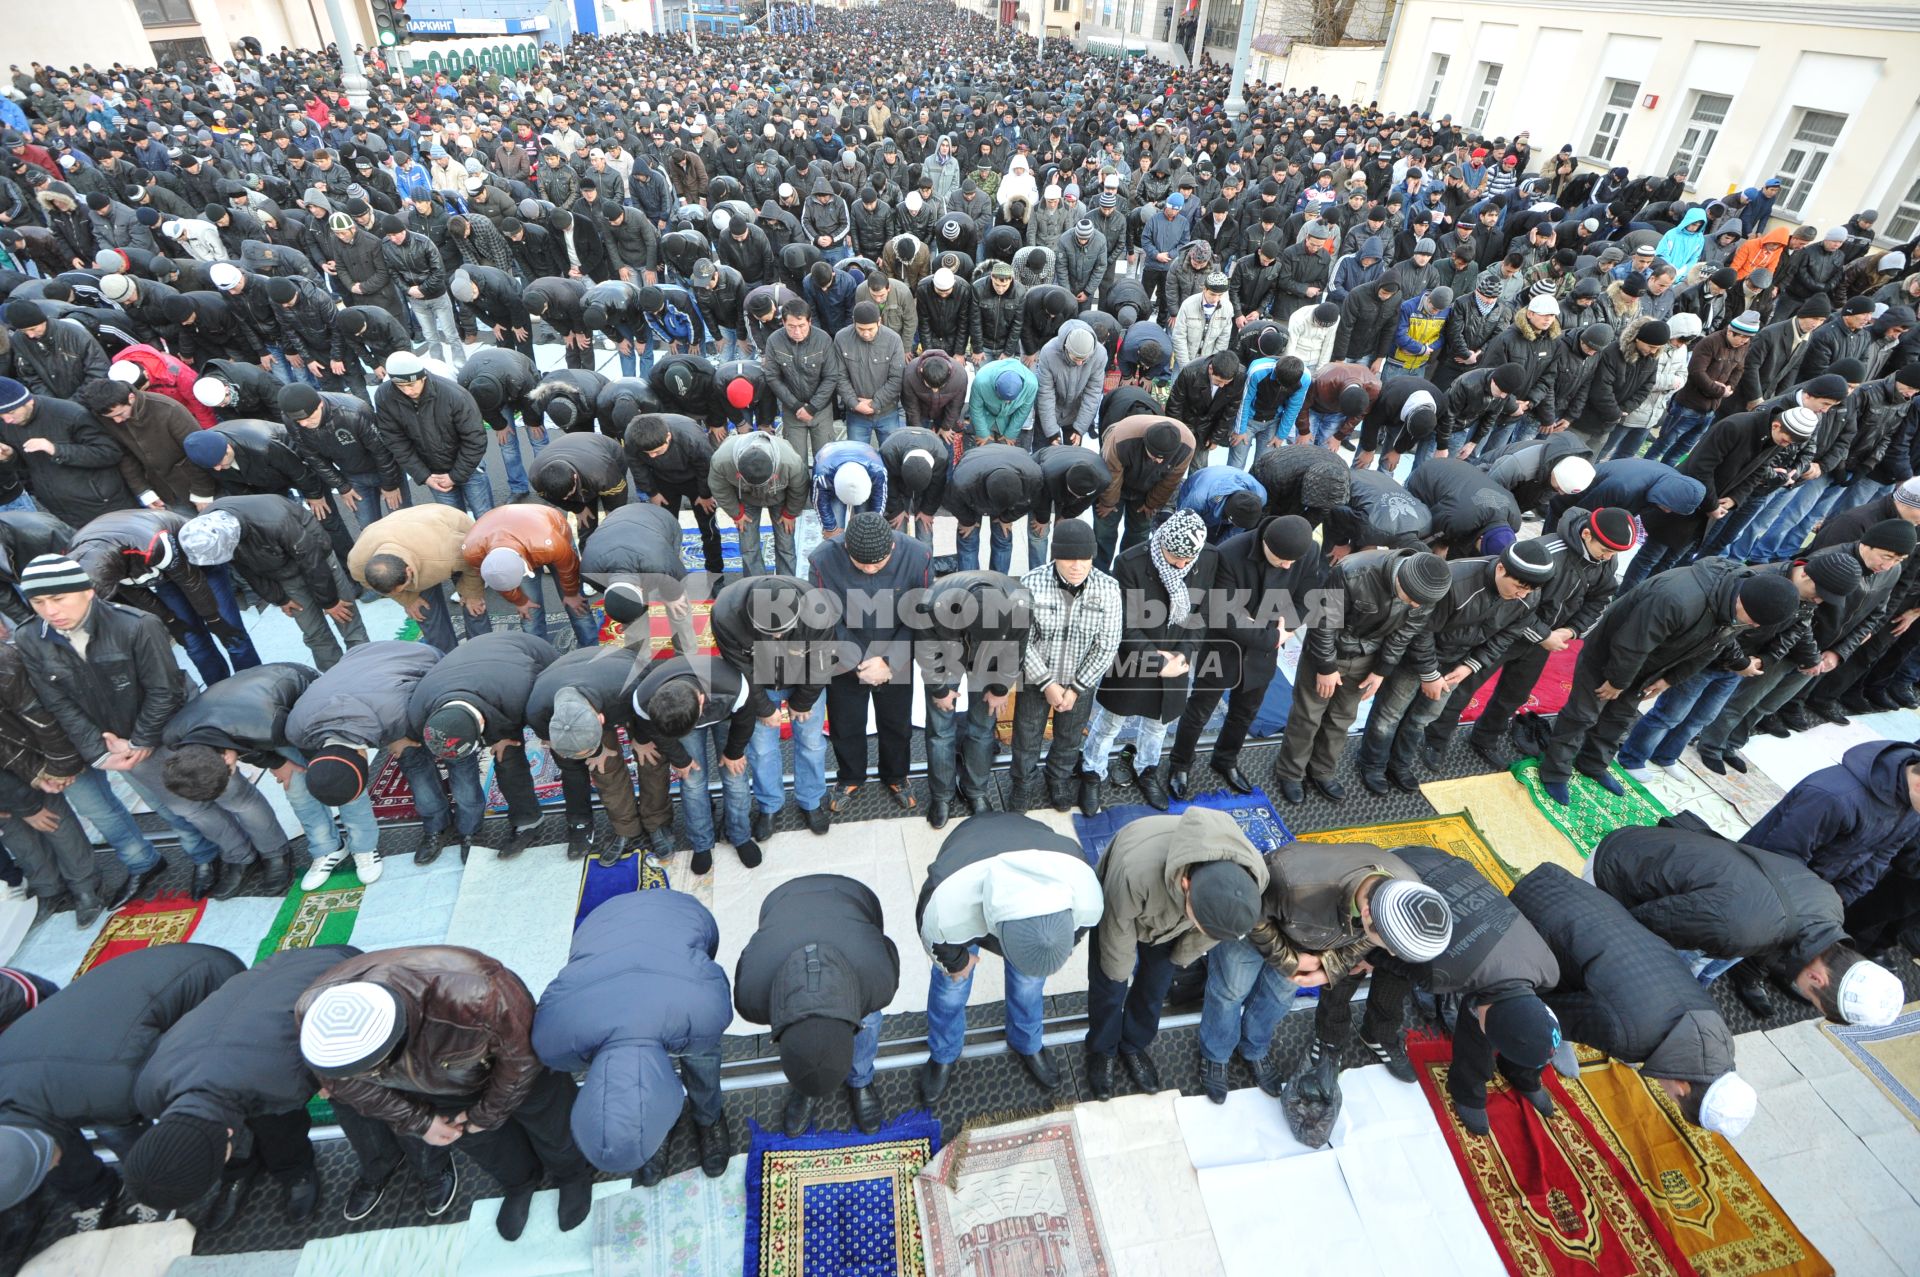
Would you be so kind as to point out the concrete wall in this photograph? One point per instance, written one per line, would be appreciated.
(1774, 60)
(73, 32)
(1349, 73)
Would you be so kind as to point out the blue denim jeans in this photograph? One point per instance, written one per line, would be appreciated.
(727, 348)
(202, 648)
(1794, 526)
(585, 632)
(1324, 425)
(436, 629)
(866, 1046)
(92, 797)
(475, 496)
(200, 849)
(316, 818)
(1103, 732)
(1244, 1002)
(736, 792)
(1515, 430)
(809, 758)
(874, 430)
(1766, 536)
(1259, 436)
(469, 805)
(510, 456)
(947, 1012)
(700, 1076)
(967, 546)
(22, 502)
(1678, 431)
(1677, 716)
(962, 737)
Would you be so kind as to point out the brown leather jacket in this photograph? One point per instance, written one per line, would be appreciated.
(1308, 906)
(468, 1026)
(537, 533)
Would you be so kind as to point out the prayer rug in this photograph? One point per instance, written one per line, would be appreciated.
(685, 1226)
(1456, 835)
(1499, 807)
(391, 795)
(1254, 813)
(1684, 789)
(1751, 794)
(309, 918)
(168, 918)
(836, 1202)
(694, 555)
(541, 1250)
(1011, 1199)
(632, 872)
(131, 1250)
(546, 778)
(1890, 1056)
(1152, 1215)
(660, 630)
(1550, 691)
(1725, 1223)
(1594, 812)
(1552, 1194)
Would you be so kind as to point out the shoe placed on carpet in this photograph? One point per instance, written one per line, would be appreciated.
(1712, 762)
(1795, 718)
(140, 1213)
(660, 844)
(326, 866)
(796, 1115)
(1040, 1068)
(1090, 804)
(431, 845)
(1267, 1075)
(228, 1198)
(1291, 791)
(762, 825)
(1099, 1069)
(1607, 781)
(1878, 698)
(937, 812)
(303, 1197)
(974, 804)
(1236, 779)
(902, 797)
(1152, 788)
(276, 873)
(654, 1169)
(842, 798)
(579, 841)
(1475, 1120)
(1750, 987)
(86, 908)
(1375, 782)
(1498, 753)
(1213, 1080)
(1333, 790)
(89, 1219)
(715, 1143)
(1020, 796)
(1179, 785)
(1140, 1067)
(1061, 794)
(1542, 1101)
(514, 1208)
(1121, 770)
(368, 866)
(1856, 702)
(1392, 1054)
(137, 885)
(749, 853)
(1736, 760)
(437, 1198)
(934, 1077)
(864, 1103)
(1558, 791)
(1430, 757)
(518, 841)
(362, 1197)
(1905, 695)
(576, 1203)
(1827, 712)
(47, 906)
(204, 876)
(702, 863)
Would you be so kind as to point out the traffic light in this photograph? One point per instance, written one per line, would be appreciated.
(389, 21)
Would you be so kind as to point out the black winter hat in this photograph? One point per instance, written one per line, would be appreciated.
(1769, 599)
(176, 1162)
(1896, 535)
(1424, 577)
(1288, 537)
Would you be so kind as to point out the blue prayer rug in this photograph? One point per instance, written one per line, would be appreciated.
(837, 1201)
(628, 874)
(1254, 813)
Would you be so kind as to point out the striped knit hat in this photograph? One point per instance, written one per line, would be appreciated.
(53, 574)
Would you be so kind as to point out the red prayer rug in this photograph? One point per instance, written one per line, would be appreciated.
(1554, 1197)
(168, 918)
(1550, 693)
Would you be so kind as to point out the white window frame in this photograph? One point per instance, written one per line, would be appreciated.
(1799, 180)
(1610, 118)
(1698, 135)
(1436, 76)
(1898, 226)
(1489, 88)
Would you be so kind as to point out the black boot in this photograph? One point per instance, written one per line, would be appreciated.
(232, 878)
(1152, 788)
(1090, 804)
(276, 874)
(204, 876)
(137, 885)
(576, 1203)
(716, 1146)
(865, 1105)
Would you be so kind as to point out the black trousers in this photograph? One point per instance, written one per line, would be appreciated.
(1386, 1007)
(1518, 675)
(514, 773)
(1125, 1014)
(1588, 731)
(1243, 702)
(280, 1146)
(535, 1139)
(1475, 1062)
(847, 700)
(702, 518)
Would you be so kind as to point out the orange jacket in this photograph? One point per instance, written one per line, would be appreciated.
(1764, 250)
(538, 533)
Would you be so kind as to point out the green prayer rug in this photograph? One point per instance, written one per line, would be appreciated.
(309, 918)
(1594, 812)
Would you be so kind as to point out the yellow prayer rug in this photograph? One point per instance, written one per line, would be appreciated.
(1724, 1221)
(1506, 817)
(1890, 1056)
(1456, 835)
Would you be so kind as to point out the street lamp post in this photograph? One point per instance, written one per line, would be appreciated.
(1242, 57)
(353, 77)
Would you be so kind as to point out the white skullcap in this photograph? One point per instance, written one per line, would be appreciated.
(1728, 1105)
(126, 371)
(1870, 995)
(225, 276)
(1572, 474)
(1052, 192)
(852, 484)
(943, 279)
(503, 569)
(211, 391)
(1544, 306)
(349, 1027)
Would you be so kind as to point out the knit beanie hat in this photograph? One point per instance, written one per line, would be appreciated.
(1836, 575)
(1161, 438)
(1613, 528)
(1038, 947)
(297, 401)
(1769, 599)
(1528, 561)
(816, 1054)
(336, 775)
(52, 574)
(1424, 577)
(1412, 919)
(282, 291)
(1497, 538)
(1524, 1030)
(1243, 509)
(1288, 537)
(1224, 899)
(205, 448)
(1747, 321)
(1072, 539)
(869, 539)
(1896, 535)
(1182, 536)
(176, 1162)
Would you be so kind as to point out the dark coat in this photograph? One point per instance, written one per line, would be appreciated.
(128, 683)
(236, 1055)
(364, 698)
(494, 673)
(1670, 626)
(1135, 684)
(1495, 954)
(819, 951)
(1697, 890)
(806, 648)
(81, 479)
(76, 1059)
(1622, 989)
(25, 535)
(1465, 503)
(640, 987)
(346, 445)
(247, 712)
(438, 433)
(1850, 821)
(967, 485)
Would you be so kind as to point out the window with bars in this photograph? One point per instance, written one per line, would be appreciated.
(1701, 132)
(1483, 103)
(1899, 227)
(1616, 107)
(163, 13)
(1804, 157)
(1435, 79)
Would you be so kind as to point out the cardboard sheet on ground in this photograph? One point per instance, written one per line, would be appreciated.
(54, 948)
(542, 1251)
(1146, 1190)
(253, 1263)
(433, 1251)
(1319, 1231)
(1787, 762)
(411, 904)
(132, 1250)
(520, 910)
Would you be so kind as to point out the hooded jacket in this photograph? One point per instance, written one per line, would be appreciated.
(1670, 626)
(1536, 349)
(1697, 890)
(1849, 822)
(236, 1054)
(1067, 400)
(819, 951)
(1142, 876)
(76, 1059)
(995, 869)
(640, 987)
(1622, 989)
(363, 699)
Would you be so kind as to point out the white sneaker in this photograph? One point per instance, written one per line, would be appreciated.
(367, 865)
(321, 870)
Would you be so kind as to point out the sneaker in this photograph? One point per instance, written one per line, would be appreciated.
(367, 865)
(362, 1197)
(518, 841)
(438, 1196)
(322, 869)
(819, 820)
(431, 845)
(579, 842)
(140, 1213)
(1213, 1080)
(87, 1219)
(1393, 1055)
(1268, 1076)
(659, 846)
